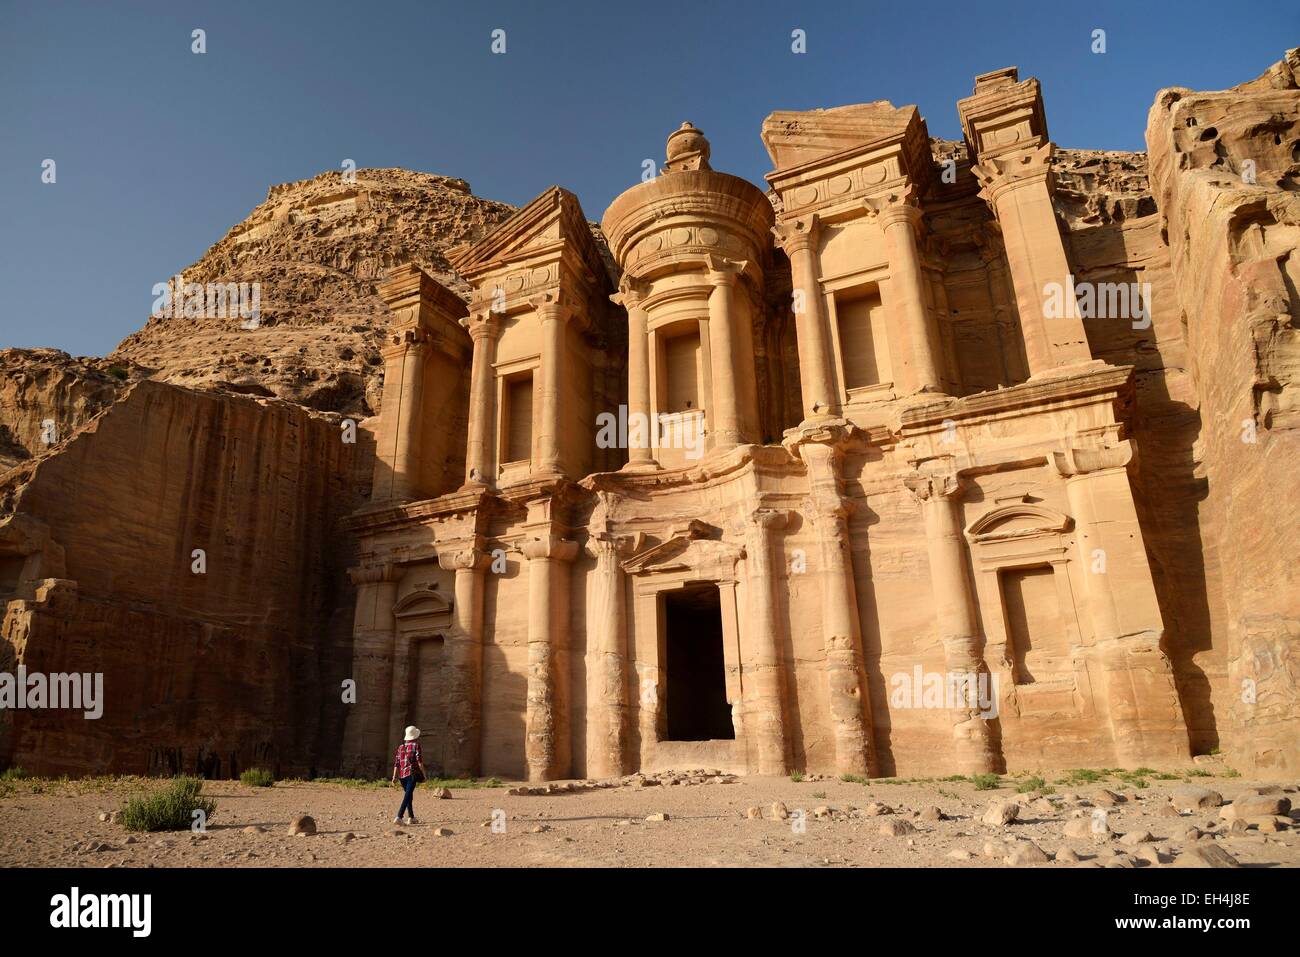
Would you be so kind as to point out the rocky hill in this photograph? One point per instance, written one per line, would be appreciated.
(317, 248)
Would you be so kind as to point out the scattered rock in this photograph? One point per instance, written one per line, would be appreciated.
(1024, 854)
(1148, 853)
(1067, 856)
(1189, 797)
(1166, 810)
(959, 855)
(1256, 805)
(1105, 798)
(754, 813)
(254, 829)
(876, 809)
(896, 827)
(779, 811)
(1206, 855)
(932, 813)
(1133, 838)
(657, 817)
(303, 824)
(1001, 813)
(443, 832)
(442, 794)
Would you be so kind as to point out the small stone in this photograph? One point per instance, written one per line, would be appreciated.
(541, 828)
(657, 817)
(896, 827)
(1189, 833)
(822, 811)
(1067, 856)
(1189, 797)
(1105, 798)
(442, 794)
(1024, 854)
(1255, 805)
(754, 813)
(876, 809)
(960, 855)
(254, 829)
(347, 837)
(1166, 810)
(1206, 855)
(303, 824)
(932, 813)
(1001, 813)
(1148, 853)
(779, 811)
(1133, 838)
(443, 832)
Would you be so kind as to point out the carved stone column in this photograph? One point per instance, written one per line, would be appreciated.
(553, 315)
(1142, 703)
(763, 680)
(725, 420)
(400, 416)
(899, 217)
(607, 674)
(367, 745)
(798, 237)
(463, 660)
(545, 749)
(1018, 187)
(955, 614)
(640, 452)
(841, 629)
(481, 452)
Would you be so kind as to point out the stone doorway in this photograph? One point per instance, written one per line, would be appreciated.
(695, 674)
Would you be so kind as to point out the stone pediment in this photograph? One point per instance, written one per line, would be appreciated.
(1017, 520)
(554, 220)
(687, 549)
(795, 138)
(425, 605)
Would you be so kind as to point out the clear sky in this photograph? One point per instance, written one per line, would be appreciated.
(160, 150)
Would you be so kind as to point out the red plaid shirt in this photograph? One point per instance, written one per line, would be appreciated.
(407, 758)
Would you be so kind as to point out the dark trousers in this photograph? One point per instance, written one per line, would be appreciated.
(408, 786)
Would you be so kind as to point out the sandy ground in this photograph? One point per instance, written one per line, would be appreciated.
(57, 824)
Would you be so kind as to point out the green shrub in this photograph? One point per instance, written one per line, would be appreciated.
(1031, 783)
(257, 778)
(170, 808)
(986, 782)
(796, 776)
(854, 779)
(14, 774)
(1083, 776)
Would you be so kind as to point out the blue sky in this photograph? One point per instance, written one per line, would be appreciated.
(159, 151)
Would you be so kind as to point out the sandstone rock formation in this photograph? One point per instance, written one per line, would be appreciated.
(317, 247)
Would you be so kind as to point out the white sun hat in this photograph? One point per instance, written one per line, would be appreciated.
(412, 732)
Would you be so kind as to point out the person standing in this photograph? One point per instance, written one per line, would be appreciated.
(408, 766)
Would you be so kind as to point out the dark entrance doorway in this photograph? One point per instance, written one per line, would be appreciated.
(696, 680)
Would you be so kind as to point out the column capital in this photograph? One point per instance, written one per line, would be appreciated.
(550, 305)
(409, 339)
(631, 292)
(1073, 460)
(797, 234)
(998, 175)
(896, 206)
(373, 574)
(768, 519)
(723, 271)
(463, 555)
(549, 545)
(482, 325)
(611, 545)
(935, 486)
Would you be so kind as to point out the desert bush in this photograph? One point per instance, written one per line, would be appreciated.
(257, 778)
(170, 808)
(1031, 783)
(986, 782)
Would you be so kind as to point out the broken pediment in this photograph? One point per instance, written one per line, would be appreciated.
(425, 605)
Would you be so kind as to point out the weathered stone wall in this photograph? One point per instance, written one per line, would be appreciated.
(1224, 168)
(210, 672)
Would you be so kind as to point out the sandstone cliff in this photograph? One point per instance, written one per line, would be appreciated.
(1225, 170)
(210, 667)
(45, 395)
(317, 248)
